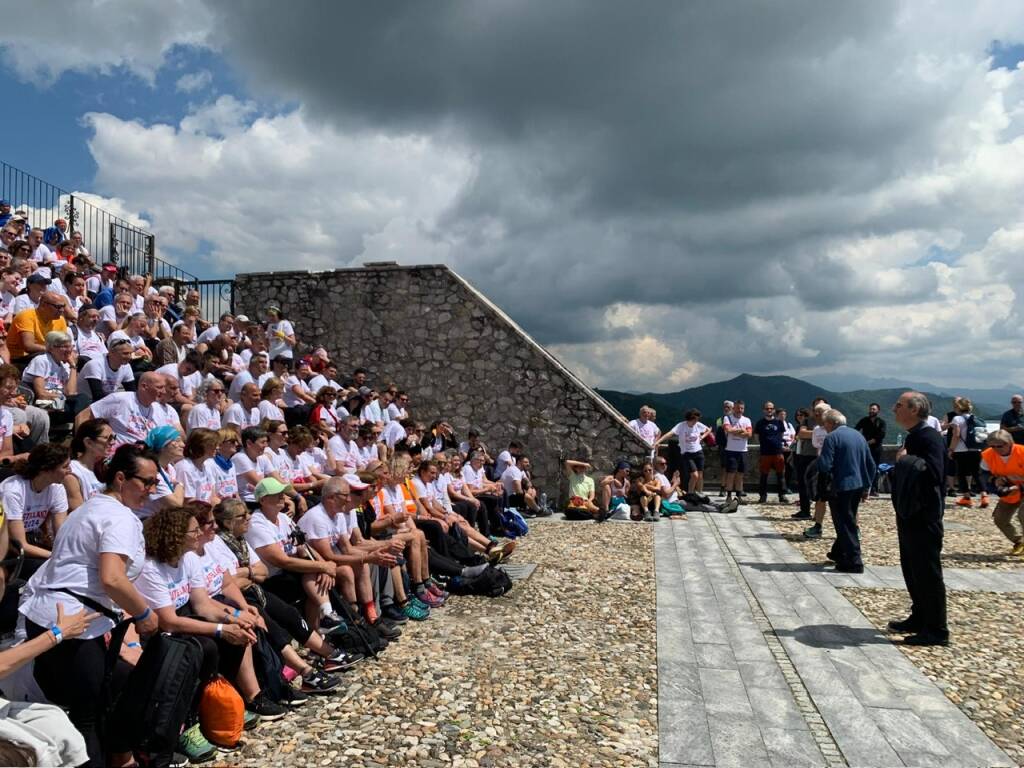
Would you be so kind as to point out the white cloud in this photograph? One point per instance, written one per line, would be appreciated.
(43, 39)
(194, 81)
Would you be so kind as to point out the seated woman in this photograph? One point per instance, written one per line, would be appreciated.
(206, 414)
(133, 329)
(614, 490)
(323, 414)
(226, 638)
(450, 479)
(88, 448)
(53, 378)
(192, 471)
(252, 464)
(166, 442)
(270, 398)
(236, 556)
(98, 556)
(297, 467)
(35, 503)
(647, 494)
(225, 482)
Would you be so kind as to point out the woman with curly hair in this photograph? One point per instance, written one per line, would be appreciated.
(226, 637)
(35, 502)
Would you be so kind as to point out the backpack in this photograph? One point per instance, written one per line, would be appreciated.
(977, 434)
(221, 713)
(154, 703)
(514, 523)
(493, 582)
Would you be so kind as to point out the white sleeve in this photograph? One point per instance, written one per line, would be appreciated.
(153, 586)
(12, 495)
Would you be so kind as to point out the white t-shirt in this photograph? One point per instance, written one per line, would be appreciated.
(788, 435)
(210, 334)
(502, 462)
(960, 422)
(395, 413)
(55, 375)
(242, 464)
(128, 418)
(137, 342)
(221, 553)
(224, 480)
(237, 414)
(6, 425)
(262, 533)
(471, 477)
(187, 384)
(366, 454)
(320, 381)
(197, 481)
(344, 451)
(934, 423)
(423, 490)
(23, 302)
(91, 344)
(240, 380)
(203, 416)
(295, 470)
(664, 484)
(394, 433)
(647, 430)
(371, 412)
(270, 411)
(818, 435)
(290, 398)
(102, 524)
(87, 480)
(509, 477)
(163, 584)
(278, 346)
(6, 303)
(317, 524)
(204, 572)
(689, 437)
(31, 508)
(734, 442)
(98, 368)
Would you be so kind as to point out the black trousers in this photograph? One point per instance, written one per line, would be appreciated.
(71, 675)
(920, 549)
(876, 455)
(801, 464)
(968, 465)
(843, 505)
(489, 519)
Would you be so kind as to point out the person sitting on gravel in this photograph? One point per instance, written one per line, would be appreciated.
(615, 491)
(646, 495)
(1002, 472)
(582, 492)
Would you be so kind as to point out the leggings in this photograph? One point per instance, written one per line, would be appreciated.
(968, 464)
(443, 566)
(287, 618)
(71, 675)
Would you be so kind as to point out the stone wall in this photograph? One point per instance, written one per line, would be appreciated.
(459, 356)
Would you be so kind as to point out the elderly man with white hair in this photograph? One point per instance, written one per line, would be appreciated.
(53, 378)
(846, 458)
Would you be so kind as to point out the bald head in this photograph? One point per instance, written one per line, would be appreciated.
(250, 395)
(151, 387)
(911, 409)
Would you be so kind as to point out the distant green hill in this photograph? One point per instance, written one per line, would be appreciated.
(785, 391)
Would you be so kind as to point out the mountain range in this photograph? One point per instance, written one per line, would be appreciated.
(786, 392)
(844, 382)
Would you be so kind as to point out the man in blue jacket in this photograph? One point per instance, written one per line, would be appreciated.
(846, 457)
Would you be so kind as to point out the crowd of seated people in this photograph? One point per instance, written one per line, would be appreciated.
(206, 480)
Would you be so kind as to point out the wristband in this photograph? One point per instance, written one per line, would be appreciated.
(218, 630)
(238, 612)
(142, 616)
(134, 644)
(57, 634)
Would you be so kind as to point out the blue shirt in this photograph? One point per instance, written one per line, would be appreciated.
(769, 436)
(845, 455)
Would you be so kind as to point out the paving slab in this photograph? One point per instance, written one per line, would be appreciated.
(763, 661)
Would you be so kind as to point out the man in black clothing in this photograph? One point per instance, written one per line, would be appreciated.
(919, 504)
(770, 430)
(872, 427)
(1013, 420)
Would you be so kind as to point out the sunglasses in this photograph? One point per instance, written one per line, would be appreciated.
(147, 482)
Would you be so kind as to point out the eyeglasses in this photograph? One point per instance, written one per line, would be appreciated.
(53, 304)
(207, 523)
(147, 482)
(193, 532)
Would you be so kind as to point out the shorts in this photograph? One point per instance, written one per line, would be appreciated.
(616, 501)
(768, 464)
(694, 462)
(735, 461)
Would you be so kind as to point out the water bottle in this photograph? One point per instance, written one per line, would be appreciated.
(543, 501)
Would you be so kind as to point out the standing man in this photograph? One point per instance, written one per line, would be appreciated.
(872, 427)
(771, 431)
(1013, 420)
(738, 430)
(645, 426)
(917, 496)
(846, 459)
(720, 440)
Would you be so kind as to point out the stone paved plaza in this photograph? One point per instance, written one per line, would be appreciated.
(763, 661)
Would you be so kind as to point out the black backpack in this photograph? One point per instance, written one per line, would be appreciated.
(493, 582)
(971, 439)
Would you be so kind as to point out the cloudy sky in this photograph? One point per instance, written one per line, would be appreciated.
(663, 193)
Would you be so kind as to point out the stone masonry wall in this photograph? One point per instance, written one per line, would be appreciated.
(458, 355)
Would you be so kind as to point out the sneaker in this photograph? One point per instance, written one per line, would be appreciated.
(801, 516)
(415, 612)
(814, 532)
(906, 626)
(434, 588)
(292, 697)
(762, 499)
(965, 501)
(178, 760)
(317, 682)
(741, 494)
(249, 720)
(729, 507)
(1018, 548)
(386, 629)
(339, 661)
(331, 623)
(431, 600)
(393, 614)
(984, 501)
(194, 745)
(265, 708)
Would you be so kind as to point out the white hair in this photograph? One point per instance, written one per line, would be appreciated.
(834, 417)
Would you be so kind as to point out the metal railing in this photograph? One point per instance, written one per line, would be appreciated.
(107, 236)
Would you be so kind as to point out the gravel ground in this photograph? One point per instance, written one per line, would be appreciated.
(981, 671)
(971, 540)
(560, 672)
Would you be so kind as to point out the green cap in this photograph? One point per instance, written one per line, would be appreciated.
(270, 486)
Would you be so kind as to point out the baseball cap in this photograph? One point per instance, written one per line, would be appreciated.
(241, 319)
(270, 486)
(5, 202)
(37, 279)
(355, 483)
